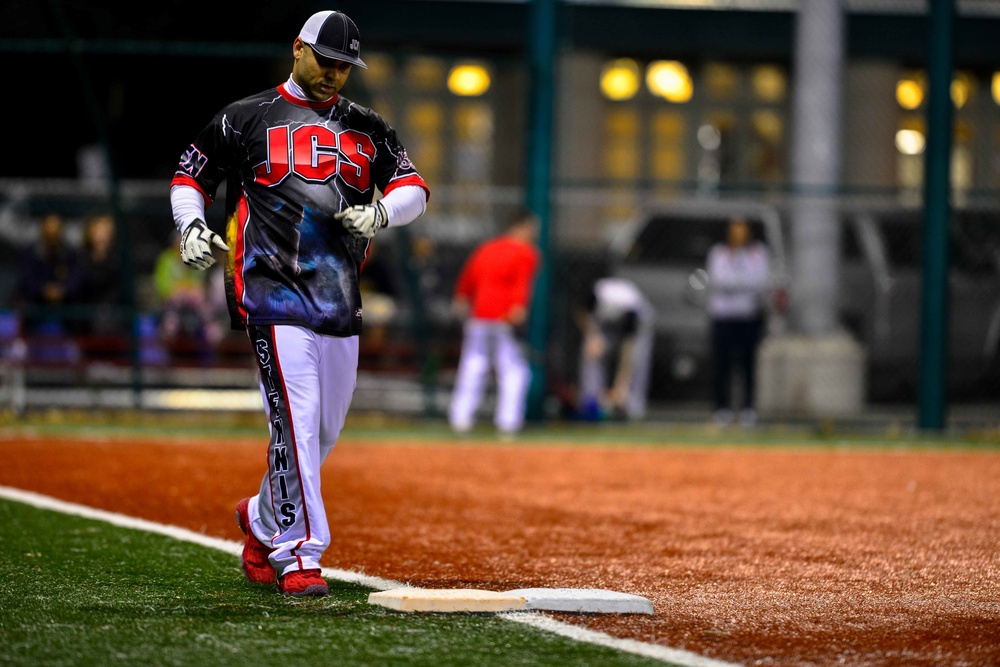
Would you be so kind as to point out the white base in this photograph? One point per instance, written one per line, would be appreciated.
(584, 600)
(446, 600)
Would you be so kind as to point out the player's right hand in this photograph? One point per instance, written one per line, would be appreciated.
(363, 220)
(196, 245)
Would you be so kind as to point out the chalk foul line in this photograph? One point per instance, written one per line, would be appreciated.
(537, 620)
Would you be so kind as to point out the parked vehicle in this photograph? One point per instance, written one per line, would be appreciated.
(881, 293)
(879, 296)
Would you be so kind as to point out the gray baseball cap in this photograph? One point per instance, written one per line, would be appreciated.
(333, 35)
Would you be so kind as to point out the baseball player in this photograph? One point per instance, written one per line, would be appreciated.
(618, 331)
(494, 286)
(302, 165)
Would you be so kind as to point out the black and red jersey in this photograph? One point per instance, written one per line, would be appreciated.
(290, 166)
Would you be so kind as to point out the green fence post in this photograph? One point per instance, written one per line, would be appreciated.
(937, 188)
(542, 50)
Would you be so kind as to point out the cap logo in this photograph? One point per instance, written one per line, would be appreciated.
(333, 35)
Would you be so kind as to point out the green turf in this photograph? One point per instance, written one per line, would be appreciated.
(239, 426)
(80, 592)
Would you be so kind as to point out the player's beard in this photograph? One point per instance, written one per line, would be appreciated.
(323, 91)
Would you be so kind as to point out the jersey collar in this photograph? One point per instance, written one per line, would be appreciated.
(307, 104)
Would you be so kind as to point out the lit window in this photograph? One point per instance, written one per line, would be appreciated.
(667, 134)
(768, 83)
(910, 142)
(721, 80)
(670, 80)
(425, 124)
(765, 160)
(468, 80)
(909, 93)
(474, 122)
(996, 87)
(380, 70)
(961, 89)
(767, 125)
(621, 148)
(424, 73)
(620, 79)
(426, 117)
(473, 132)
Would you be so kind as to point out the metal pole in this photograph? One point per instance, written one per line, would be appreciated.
(937, 209)
(542, 49)
(816, 153)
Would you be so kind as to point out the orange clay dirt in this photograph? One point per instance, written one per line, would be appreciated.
(756, 556)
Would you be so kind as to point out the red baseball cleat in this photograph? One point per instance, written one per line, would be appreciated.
(302, 583)
(254, 560)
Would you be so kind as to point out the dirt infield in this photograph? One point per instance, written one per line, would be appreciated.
(758, 556)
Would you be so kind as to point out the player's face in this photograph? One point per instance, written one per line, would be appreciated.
(321, 78)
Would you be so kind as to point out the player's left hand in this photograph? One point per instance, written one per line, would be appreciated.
(196, 245)
(363, 221)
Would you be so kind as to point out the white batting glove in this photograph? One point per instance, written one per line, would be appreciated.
(196, 245)
(363, 221)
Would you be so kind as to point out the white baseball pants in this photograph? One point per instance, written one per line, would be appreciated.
(487, 343)
(593, 372)
(307, 381)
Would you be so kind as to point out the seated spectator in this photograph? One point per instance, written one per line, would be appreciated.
(48, 282)
(101, 279)
(185, 310)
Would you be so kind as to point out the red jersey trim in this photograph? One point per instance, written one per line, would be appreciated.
(368, 253)
(410, 179)
(239, 287)
(184, 179)
(306, 104)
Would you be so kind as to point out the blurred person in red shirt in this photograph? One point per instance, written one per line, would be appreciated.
(493, 292)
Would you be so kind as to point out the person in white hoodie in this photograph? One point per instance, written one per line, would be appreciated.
(739, 280)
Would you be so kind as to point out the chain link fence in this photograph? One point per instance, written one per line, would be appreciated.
(163, 349)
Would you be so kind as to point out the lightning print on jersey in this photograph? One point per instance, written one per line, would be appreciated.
(293, 262)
